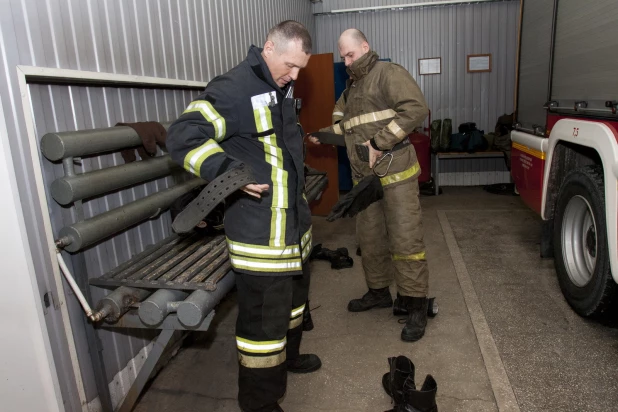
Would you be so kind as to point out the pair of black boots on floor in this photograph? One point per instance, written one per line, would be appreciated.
(416, 310)
(399, 384)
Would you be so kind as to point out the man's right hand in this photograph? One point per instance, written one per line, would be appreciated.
(255, 190)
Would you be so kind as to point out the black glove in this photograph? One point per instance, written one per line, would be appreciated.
(366, 192)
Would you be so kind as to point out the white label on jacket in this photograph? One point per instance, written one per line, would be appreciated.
(262, 100)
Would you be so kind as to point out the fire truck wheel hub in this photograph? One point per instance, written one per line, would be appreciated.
(579, 240)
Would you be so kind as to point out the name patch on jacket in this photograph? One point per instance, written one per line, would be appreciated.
(264, 99)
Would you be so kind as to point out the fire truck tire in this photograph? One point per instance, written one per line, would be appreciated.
(580, 242)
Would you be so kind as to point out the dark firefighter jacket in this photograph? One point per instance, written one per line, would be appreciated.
(243, 117)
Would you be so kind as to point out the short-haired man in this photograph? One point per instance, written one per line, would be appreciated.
(247, 118)
(380, 107)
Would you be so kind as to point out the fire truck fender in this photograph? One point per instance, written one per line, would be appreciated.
(602, 137)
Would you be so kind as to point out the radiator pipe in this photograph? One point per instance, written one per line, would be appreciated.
(83, 234)
(68, 189)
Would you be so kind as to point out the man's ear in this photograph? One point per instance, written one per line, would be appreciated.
(269, 48)
(365, 47)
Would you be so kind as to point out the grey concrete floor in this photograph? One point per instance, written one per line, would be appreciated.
(504, 339)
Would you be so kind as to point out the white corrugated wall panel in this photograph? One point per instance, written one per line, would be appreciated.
(177, 39)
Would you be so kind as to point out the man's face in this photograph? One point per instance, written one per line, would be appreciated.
(284, 67)
(351, 50)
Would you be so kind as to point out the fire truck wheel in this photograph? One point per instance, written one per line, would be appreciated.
(580, 242)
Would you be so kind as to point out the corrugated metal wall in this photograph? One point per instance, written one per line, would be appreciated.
(184, 39)
(449, 32)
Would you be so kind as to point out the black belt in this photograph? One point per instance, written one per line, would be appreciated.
(361, 150)
(213, 194)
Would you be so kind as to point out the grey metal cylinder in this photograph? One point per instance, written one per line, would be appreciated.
(57, 146)
(117, 303)
(153, 310)
(68, 189)
(90, 231)
(194, 309)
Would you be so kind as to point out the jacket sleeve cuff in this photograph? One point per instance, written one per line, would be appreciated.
(373, 144)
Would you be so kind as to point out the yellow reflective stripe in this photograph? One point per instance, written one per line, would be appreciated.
(533, 152)
(306, 237)
(262, 251)
(294, 323)
(394, 128)
(415, 256)
(298, 311)
(398, 177)
(265, 265)
(279, 176)
(369, 118)
(337, 128)
(259, 362)
(254, 346)
(210, 114)
(195, 158)
(306, 250)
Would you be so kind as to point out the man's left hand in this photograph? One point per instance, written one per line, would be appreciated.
(374, 154)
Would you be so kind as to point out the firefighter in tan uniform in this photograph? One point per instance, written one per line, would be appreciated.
(381, 106)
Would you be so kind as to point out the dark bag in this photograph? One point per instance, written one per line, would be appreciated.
(468, 142)
(504, 124)
(441, 131)
(467, 127)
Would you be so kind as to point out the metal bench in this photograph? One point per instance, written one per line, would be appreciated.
(437, 156)
(172, 285)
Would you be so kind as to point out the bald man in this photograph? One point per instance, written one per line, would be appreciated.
(380, 107)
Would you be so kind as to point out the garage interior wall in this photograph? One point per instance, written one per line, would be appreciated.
(184, 39)
(450, 32)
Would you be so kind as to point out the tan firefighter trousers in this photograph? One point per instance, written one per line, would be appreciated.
(390, 235)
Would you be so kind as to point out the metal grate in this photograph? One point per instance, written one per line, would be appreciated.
(188, 262)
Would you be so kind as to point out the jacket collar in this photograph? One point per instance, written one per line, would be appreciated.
(260, 68)
(363, 65)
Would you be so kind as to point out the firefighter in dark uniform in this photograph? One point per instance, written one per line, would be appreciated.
(247, 118)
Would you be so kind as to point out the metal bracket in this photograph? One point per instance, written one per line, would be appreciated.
(168, 327)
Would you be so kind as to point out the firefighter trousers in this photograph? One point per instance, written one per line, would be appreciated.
(268, 331)
(390, 235)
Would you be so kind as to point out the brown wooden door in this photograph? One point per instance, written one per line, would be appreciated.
(316, 87)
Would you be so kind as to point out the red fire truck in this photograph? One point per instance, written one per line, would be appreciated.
(565, 143)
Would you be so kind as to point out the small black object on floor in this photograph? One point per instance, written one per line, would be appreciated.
(501, 189)
(339, 259)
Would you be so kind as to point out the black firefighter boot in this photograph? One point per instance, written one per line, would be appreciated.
(401, 369)
(417, 318)
(423, 400)
(375, 298)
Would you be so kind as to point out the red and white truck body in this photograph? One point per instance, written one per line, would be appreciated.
(564, 158)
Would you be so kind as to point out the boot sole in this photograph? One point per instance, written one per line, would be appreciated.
(378, 306)
(308, 370)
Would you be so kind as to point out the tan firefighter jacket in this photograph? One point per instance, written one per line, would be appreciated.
(381, 103)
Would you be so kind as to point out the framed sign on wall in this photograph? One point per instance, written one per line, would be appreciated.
(432, 65)
(479, 63)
